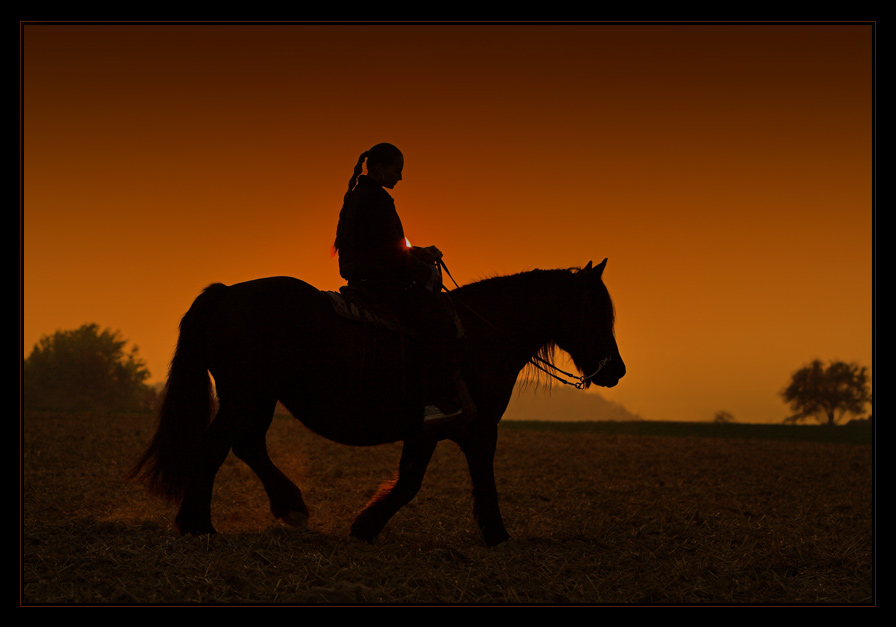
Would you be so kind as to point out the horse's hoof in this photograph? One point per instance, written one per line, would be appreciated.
(494, 539)
(360, 538)
(205, 531)
(296, 519)
(193, 525)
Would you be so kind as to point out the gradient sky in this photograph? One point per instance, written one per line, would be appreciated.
(724, 170)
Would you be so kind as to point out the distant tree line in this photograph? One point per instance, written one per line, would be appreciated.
(85, 369)
(88, 369)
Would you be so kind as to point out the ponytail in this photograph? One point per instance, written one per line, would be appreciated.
(351, 186)
(354, 180)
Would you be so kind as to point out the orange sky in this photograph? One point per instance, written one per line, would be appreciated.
(724, 170)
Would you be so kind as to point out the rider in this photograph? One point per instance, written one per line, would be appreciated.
(375, 256)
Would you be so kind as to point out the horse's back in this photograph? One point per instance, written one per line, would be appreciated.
(262, 325)
(278, 288)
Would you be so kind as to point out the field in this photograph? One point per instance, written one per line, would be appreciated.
(600, 514)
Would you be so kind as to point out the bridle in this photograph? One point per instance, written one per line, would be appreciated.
(578, 382)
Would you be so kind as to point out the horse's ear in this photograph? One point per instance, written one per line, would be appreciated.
(599, 269)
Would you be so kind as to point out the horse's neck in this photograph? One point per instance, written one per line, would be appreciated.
(516, 310)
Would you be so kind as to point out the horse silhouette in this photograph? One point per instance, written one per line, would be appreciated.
(279, 339)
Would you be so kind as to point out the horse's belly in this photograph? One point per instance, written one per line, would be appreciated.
(360, 388)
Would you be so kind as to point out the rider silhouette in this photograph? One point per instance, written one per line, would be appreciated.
(375, 257)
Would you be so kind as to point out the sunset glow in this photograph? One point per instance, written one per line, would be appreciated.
(724, 170)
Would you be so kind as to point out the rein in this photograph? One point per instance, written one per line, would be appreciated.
(579, 382)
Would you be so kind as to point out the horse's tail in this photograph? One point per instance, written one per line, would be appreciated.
(187, 405)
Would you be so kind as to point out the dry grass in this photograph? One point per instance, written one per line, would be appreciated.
(596, 518)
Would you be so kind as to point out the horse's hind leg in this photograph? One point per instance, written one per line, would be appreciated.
(391, 497)
(285, 497)
(194, 516)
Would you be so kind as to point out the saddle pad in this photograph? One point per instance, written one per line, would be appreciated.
(351, 310)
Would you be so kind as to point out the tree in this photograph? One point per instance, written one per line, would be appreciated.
(827, 394)
(85, 369)
(723, 417)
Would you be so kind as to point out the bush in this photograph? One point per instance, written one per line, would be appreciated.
(85, 369)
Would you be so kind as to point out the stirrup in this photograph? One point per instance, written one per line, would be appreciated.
(432, 415)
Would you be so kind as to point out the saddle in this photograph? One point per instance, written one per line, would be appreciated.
(355, 304)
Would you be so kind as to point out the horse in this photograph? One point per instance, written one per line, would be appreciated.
(278, 339)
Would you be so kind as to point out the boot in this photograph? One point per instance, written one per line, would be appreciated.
(433, 416)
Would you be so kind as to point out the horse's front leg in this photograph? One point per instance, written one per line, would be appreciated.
(479, 448)
(392, 496)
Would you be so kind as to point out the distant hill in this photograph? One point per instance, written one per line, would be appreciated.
(564, 404)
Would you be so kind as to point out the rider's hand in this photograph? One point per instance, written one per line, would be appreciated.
(430, 254)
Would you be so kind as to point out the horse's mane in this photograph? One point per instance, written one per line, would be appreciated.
(532, 375)
(511, 284)
(509, 281)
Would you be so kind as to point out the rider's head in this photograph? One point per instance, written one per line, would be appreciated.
(384, 164)
(382, 160)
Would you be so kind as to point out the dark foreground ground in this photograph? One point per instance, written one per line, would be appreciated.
(600, 514)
